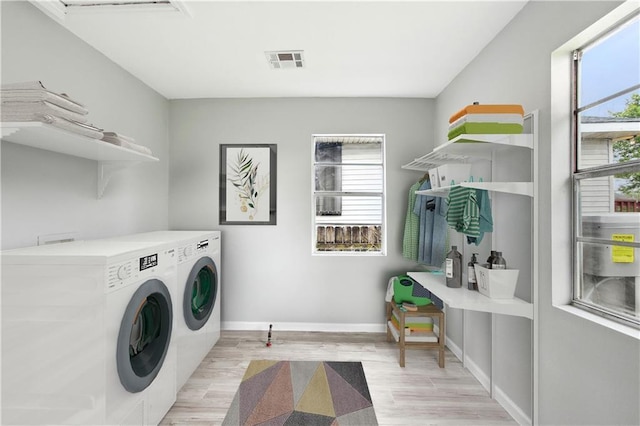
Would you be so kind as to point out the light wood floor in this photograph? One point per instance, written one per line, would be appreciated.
(419, 394)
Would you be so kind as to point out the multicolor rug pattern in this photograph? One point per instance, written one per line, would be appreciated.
(310, 393)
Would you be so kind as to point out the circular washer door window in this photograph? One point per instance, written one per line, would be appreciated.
(145, 332)
(200, 293)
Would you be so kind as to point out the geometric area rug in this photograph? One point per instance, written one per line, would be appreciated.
(310, 393)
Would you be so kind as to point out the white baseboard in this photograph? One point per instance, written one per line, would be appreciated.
(453, 348)
(303, 326)
(511, 408)
(499, 395)
(477, 372)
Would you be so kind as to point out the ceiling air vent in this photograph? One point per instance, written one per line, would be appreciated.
(58, 9)
(285, 59)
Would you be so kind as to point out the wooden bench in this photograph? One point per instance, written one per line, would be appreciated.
(423, 311)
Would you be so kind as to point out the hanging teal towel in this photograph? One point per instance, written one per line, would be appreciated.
(486, 219)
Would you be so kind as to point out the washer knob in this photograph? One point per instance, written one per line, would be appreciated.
(123, 272)
(187, 251)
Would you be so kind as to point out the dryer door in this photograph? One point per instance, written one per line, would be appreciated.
(200, 293)
(144, 335)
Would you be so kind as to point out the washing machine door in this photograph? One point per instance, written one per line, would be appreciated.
(145, 333)
(200, 292)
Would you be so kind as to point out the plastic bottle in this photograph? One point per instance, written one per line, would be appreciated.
(472, 282)
(453, 268)
(499, 262)
(490, 258)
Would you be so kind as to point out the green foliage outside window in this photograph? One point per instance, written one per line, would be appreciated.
(629, 149)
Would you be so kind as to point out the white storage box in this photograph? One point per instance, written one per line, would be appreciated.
(609, 260)
(497, 283)
(434, 178)
(451, 174)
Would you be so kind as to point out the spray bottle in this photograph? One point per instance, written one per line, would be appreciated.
(472, 282)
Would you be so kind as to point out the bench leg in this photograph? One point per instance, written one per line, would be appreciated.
(401, 340)
(441, 339)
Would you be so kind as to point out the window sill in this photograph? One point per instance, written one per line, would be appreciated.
(348, 253)
(611, 325)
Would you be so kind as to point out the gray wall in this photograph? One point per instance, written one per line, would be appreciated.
(269, 274)
(49, 193)
(587, 373)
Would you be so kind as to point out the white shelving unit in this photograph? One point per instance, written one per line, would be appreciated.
(519, 188)
(462, 298)
(110, 158)
(469, 149)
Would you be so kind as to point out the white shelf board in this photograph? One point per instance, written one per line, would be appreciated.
(51, 138)
(466, 148)
(519, 188)
(462, 298)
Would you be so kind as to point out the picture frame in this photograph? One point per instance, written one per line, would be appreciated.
(248, 184)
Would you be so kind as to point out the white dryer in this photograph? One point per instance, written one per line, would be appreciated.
(87, 333)
(199, 284)
(198, 304)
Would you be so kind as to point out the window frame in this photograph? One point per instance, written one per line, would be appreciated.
(382, 194)
(578, 174)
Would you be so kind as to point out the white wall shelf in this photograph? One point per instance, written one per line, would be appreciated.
(467, 148)
(110, 157)
(518, 188)
(462, 298)
(489, 148)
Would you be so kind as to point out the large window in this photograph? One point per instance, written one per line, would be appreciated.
(348, 194)
(606, 174)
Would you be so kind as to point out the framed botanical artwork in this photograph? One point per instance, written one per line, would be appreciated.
(248, 184)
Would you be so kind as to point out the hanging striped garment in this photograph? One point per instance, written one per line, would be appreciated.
(463, 213)
(411, 227)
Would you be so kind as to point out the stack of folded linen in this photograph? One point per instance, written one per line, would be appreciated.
(486, 119)
(415, 324)
(125, 142)
(31, 101)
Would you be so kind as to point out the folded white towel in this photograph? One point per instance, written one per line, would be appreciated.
(35, 91)
(71, 126)
(28, 85)
(118, 136)
(125, 142)
(39, 107)
(487, 118)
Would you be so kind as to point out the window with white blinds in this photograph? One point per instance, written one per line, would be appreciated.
(348, 194)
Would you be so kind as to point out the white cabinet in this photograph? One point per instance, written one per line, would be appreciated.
(110, 157)
(493, 149)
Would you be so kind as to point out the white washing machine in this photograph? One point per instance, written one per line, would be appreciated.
(88, 333)
(198, 320)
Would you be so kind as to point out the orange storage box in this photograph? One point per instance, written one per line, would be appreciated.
(487, 109)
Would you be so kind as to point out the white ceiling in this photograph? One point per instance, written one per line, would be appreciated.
(351, 49)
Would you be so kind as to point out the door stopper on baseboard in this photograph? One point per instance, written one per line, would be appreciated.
(269, 336)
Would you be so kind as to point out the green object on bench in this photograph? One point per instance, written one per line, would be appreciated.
(405, 289)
